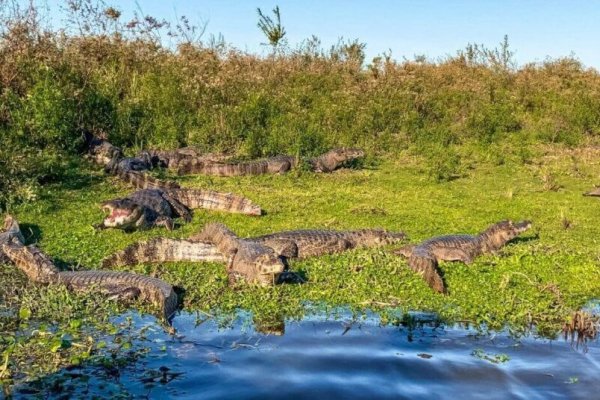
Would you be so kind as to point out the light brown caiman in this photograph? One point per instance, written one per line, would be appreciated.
(247, 260)
(158, 207)
(285, 245)
(327, 162)
(595, 192)
(124, 285)
(424, 257)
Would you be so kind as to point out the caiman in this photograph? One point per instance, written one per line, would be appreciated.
(424, 257)
(185, 156)
(327, 162)
(158, 207)
(290, 244)
(595, 192)
(246, 259)
(310, 243)
(130, 169)
(124, 285)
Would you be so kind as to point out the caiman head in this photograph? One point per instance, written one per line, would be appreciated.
(268, 267)
(122, 214)
(346, 154)
(102, 152)
(500, 233)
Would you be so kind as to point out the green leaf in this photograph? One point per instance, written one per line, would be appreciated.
(24, 313)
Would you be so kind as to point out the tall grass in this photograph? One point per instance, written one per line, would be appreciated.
(106, 75)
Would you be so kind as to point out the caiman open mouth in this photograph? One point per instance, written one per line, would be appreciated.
(115, 212)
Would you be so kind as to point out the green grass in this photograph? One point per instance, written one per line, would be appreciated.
(539, 279)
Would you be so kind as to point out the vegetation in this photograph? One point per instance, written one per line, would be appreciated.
(104, 74)
(514, 135)
(537, 280)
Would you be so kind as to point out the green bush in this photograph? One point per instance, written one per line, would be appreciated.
(116, 78)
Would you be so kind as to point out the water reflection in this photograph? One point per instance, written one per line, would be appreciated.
(343, 358)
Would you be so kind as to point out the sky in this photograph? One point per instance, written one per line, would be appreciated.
(536, 29)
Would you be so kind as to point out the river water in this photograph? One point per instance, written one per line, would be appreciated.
(339, 358)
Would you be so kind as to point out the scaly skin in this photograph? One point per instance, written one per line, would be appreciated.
(248, 260)
(141, 180)
(224, 243)
(327, 162)
(183, 158)
(147, 208)
(334, 159)
(212, 200)
(39, 268)
(273, 165)
(309, 243)
(130, 169)
(11, 233)
(163, 250)
(424, 257)
(143, 209)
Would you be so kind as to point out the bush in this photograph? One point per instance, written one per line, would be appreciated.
(114, 76)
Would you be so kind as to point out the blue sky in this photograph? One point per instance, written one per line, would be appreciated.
(536, 29)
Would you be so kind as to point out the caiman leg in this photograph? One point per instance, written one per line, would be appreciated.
(426, 265)
(232, 277)
(163, 249)
(166, 222)
(179, 208)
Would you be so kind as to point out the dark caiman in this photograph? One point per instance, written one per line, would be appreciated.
(132, 170)
(158, 207)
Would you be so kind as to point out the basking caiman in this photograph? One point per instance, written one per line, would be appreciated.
(291, 244)
(247, 260)
(310, 243)
(158, 207)
(130, 169)
(595, 192)
(327, 162)
(424, 257)
(182, 158)
(124, 285)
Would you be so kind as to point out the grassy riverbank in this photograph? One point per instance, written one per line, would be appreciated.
(539, 279)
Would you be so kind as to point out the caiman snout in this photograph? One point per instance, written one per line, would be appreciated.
(269, 269)
(121, 213)
(522, 226)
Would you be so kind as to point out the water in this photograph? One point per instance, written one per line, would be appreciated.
(343, 359)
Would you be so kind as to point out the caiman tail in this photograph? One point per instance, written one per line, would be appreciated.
(153, 290)
(162, 250)
(209, 199)
(39, 268)
(218, 234)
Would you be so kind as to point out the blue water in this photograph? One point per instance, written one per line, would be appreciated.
(321, 357)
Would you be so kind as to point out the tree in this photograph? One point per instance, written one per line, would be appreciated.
(272, 29)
